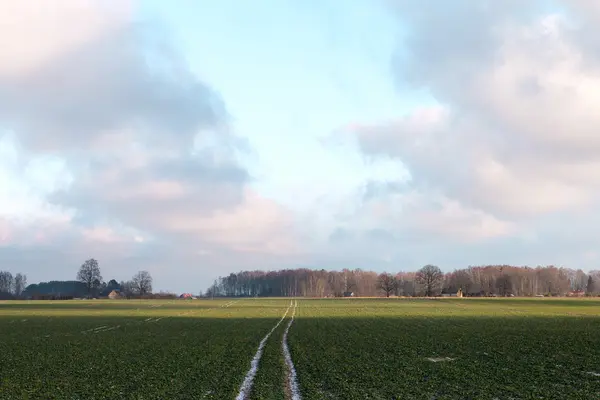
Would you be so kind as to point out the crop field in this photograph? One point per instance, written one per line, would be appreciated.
(301, 349)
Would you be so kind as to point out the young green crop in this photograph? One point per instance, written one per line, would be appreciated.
(129, 350)
(448, 349)
(341, 349)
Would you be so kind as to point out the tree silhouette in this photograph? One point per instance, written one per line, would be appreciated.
(142, 283)
(387, 283)
(431, 278)
(591, 285)
(89, 274)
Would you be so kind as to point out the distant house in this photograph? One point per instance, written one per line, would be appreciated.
(348, 294)
(186, 296)
(115, 294)
(576, 293)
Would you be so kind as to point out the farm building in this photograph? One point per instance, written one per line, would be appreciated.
(186, 296)
(115, 294)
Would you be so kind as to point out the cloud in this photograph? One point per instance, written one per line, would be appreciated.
(513, 143)
(112, 147)
(35, 33)
(154, 180)
(114, 77)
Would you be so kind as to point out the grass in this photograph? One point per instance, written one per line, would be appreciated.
(341, 348)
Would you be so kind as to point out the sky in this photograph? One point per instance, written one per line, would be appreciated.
(193, 139)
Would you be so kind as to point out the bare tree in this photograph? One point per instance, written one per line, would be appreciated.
(431, 278)
(578, 279)
(504, 284)
(89, 274)
(126, 288)
(387, 283)
(463, 280)
(20, 283)
(142, 283)
(6, 282)
(480, 280)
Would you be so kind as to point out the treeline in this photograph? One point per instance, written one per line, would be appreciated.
(490, 280)
(68, 289)
(89, 284)
(11, 286)
(58, 290)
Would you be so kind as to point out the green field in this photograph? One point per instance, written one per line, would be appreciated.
(341, 349)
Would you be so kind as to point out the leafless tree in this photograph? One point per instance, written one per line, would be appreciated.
(127, 288)
(387, 283)
(431, 277)
(485, 280)
(504, 284)
(20, 283)
(6, 282)
(581, 280)
(142, 283)
(89, 274)
(462, 280)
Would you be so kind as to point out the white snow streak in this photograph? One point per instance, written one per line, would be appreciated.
(229, 304)
(249, 379)
(292, 382)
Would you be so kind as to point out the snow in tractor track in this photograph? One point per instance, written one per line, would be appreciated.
(292, 382)
(249, 379)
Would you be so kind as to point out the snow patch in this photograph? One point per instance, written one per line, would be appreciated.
(229, 304)
(95, 329)
(109, 329)
(292, 382)
(439, 359)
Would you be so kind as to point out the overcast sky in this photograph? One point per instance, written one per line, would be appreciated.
(197, 138)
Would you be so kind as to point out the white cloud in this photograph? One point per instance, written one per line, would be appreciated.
(514, 142)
